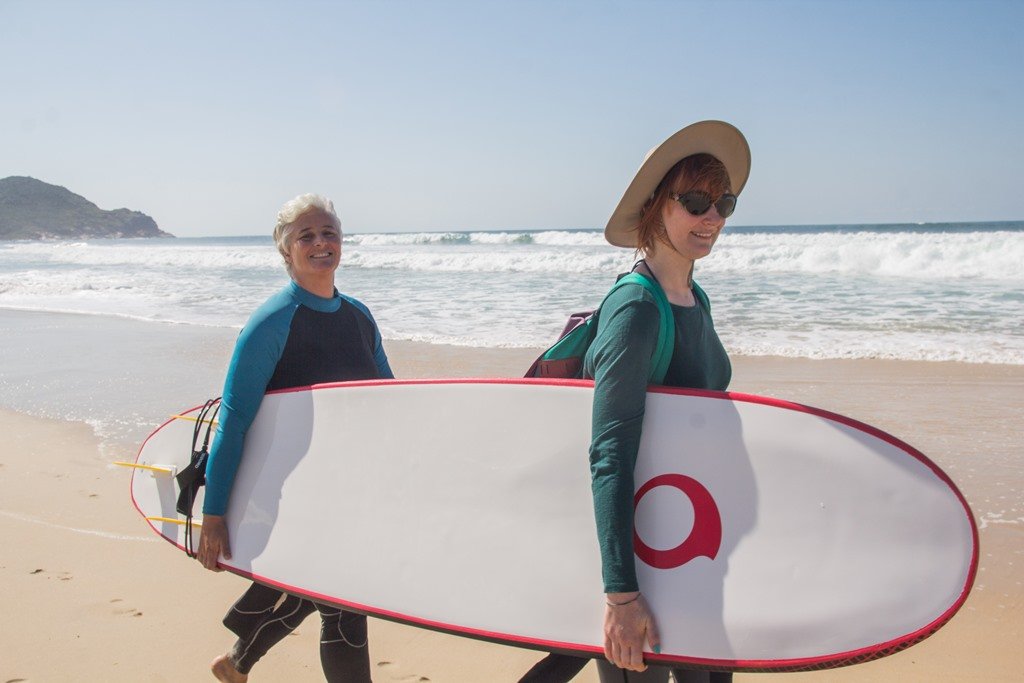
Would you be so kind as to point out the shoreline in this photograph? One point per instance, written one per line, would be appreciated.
(82, 575)
(192, 329)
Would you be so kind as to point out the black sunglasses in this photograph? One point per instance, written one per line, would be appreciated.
(697, 202)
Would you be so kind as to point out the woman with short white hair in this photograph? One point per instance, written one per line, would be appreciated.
(307, 333)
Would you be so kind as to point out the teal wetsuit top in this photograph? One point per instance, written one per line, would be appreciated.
(294, 339)
(619, 362)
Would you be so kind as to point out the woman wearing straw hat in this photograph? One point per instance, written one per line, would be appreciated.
(672, 213)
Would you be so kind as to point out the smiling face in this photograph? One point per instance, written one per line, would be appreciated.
(691, 236)
(313, 249)
(666, 224)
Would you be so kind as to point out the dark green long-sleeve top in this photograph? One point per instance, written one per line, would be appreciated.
(619, 362)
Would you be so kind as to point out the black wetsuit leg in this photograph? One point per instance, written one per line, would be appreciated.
(271, 629)
(609, 673)
(264, 616)
(555, 668)
(250, 610)
(344, 653)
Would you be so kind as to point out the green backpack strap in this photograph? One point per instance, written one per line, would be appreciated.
(564, 358)
(666, 328)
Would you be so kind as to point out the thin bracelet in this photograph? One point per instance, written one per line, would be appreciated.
(620, 604)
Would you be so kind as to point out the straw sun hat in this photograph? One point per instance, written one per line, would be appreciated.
(717, 138)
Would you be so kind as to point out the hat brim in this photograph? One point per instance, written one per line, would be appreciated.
(719, 139)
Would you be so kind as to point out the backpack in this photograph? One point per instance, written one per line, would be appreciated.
(564, 358)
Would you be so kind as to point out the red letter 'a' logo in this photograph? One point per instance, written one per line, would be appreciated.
(704, 540)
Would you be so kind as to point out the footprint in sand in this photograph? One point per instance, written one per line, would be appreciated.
(63, 576)
(395, 676)
(127, 611)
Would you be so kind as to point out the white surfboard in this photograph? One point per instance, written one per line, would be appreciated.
(769, 535)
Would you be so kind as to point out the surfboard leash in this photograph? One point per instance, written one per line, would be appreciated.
(194, 475)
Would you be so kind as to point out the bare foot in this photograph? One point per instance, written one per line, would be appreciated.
(224, 670)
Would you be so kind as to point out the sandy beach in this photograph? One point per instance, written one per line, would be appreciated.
(88, 593)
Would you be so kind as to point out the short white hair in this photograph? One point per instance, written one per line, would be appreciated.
(292, 210)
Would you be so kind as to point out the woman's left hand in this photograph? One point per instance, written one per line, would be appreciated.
(628, 622)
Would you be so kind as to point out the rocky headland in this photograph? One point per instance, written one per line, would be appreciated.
(33, 210)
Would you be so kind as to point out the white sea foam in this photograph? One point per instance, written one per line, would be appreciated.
(938, 294)
(978, 255)
(142, 254)
(996, 518)
(911, 255)
(550, 238)
(465, 261)
(990, 256)
(857, 345)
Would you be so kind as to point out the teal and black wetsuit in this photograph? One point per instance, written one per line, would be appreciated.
(294, 339)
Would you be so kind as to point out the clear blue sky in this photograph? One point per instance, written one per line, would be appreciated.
(512, 115)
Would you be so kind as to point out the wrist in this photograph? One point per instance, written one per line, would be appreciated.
(620, 599)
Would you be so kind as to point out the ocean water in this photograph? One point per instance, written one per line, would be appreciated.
(942, 292)
(152, 322)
